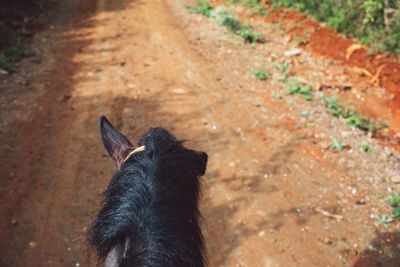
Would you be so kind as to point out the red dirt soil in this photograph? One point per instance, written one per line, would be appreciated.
(379, 69)
(275, 193)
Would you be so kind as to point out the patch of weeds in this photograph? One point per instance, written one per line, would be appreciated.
(395, 203)
(307, 113)
(282, 79)
(5, 64)
(276, 95)
(337, 144)
(310, 125)
(260, 73)
(359, 121)
(353, 117)
(383, 220)
(284, 68)
(366, 148)
(366, 20)
(296, 87)
(229, 20)
(290, 101)
(256, 6)
(12, 53)
(203, 7)
(233, 24)
(301, 41)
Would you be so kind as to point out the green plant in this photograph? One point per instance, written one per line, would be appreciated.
(5, 64)
(12, 53)
(289, 101)
(310, 125)
(284, 68)
(256, 6)
(276, 95)
(395, 203)
(352, 117)
(307, 113)
(260, 73)
(365, 20)
(371, 8)
(365, 147)
(337, 144)
(296, 87)
(233, 24)
(282, 79)
(203, 7)
(383, 220)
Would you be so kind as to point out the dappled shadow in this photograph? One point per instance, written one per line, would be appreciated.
(384, 251)
(52, 200)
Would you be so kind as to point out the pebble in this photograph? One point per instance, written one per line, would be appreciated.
(395, 179)
(179, 91)
(14, 222)
(32, 244)
(293, 52)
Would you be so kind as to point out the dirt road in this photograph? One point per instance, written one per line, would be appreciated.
(270, 183)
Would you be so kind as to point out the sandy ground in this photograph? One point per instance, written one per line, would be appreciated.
(271, 181)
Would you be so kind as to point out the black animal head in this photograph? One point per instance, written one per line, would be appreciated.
(118, 146)
(149, 216)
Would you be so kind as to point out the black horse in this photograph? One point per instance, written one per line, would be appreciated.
(150, 214)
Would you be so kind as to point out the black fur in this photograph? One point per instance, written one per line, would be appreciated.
(150, 214)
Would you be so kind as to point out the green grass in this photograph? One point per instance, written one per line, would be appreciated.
(383, 220)
(352, 117)
(395, 203)
(310, 125)
(337, 144)
(282, 79)
(366, 148)
(307, 113)
(276, 95)
(203, 7)
(12, 53)
(284, 68)
(260, 73)
(296, 87)
(362, 19)
(234, 25)
(227, 19)
(256, 6)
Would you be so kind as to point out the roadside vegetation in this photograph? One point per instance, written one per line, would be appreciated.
(15, 16)
(372, 22)
(229, 20)
(394, 202)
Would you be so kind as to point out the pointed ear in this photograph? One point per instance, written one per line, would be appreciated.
(116, 144)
